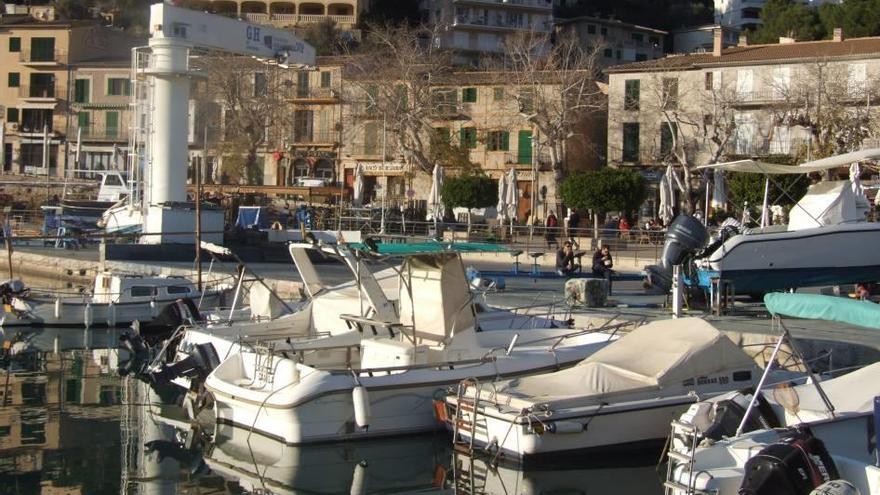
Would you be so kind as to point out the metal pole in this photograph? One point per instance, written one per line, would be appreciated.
(198, 174)
(7, 238)
(764, 213)
(385, 188)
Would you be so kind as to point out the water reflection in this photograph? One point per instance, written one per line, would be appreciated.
(69, 425)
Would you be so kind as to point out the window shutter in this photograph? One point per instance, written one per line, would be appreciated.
(505, 141)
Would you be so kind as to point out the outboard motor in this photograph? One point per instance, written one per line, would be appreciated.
(684, 236)
(170, 317)
(13, 288)
(795, 465)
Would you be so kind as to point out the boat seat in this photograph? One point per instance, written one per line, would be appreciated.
(386, 353)
(360, 323)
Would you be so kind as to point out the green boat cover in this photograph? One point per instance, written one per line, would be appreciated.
(816, 307)
(406, 249)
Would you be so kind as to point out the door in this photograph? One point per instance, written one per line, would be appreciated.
(524, 206)
(42, 49)
(112, 123)
(524, 153)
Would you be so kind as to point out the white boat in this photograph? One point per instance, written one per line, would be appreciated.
(117, 299)
(806, 252)
(379, 375)
(785, 440)
(623, 396)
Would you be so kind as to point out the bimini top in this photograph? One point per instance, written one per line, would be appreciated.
(829, 308)
(758, 167)
(429, 247)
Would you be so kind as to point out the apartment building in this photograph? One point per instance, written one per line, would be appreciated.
(39, 88)
(702, 38)
(767, 93)
(472, 27)
(287, 14)
(619, 42)
(746, 14)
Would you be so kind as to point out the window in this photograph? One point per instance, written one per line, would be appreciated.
(42, 85)
(591, 28)
(631, 142)
(440, 137)
(469, 95)
(178, 289)
(619, 54)
(631, 94)
(11, 114)
(302, 126)
(744, 79)
(372, 97)
(603, 31)
(42, 49)
(14, 80)
(326, 79)
(670, 93)
(142, 291)
(638, 37)
(15, 44)
(668, 132)
(709, 81)
(82, 120)
(707, 119)
(641, 57)
(302, 84)
(527, 101)
(524, 148)
(655, 41)
(261, 84)
(608, 53)
(468, 137)
(81, 91)
(781, 81)
(371, 138)
(498, 94)
(498, 141)
(118, 86)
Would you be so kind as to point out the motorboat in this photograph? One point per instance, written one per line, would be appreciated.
(785, 439)
(805, 252)
(374, 291)
(620, 397)
(116, 299)
(379, 374)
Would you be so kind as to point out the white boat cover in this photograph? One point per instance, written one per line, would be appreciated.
(263, 304)
(660, 355)
(345, 299)
(440, 304)
(850, 393)
(826, 203)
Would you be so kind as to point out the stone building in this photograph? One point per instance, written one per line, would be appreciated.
(619, 42)
(290, 13)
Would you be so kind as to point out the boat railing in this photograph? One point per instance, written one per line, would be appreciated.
(440, 365)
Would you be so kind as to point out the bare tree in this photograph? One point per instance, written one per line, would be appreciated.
(556, 82)
(250, 96)
(393, 77)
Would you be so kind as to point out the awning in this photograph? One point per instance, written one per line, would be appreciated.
(829, 308)
(759, 167)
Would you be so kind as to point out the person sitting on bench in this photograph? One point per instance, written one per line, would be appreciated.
(565, 264)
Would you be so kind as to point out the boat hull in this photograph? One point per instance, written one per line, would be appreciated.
(757, 263)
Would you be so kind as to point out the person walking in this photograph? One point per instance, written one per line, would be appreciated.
(551, 224)
(603, 264)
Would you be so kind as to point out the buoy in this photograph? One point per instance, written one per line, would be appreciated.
(58, 307)
(111, 315)
(563, 427)
(87, 315)
(361, 401)
(359, 479)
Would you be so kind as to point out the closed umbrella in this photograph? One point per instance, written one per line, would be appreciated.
(667, 196)
(719, 192)
(512, 197)
(2, 145)
(502, 199)
(854, 172)
(435, 198)
(357, 198)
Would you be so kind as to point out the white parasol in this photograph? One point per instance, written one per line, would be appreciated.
(357, 197)
(511, 197)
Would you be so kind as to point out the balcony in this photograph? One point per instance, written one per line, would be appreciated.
(100, 133)
(500, 24)
(42, 57)
(41, 93)
(285, 20)
(323, 138)
(310, 93)
(530, 5)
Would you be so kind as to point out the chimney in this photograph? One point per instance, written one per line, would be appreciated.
(785, 40)
(717, 41)
(838, 34)
(743, 39)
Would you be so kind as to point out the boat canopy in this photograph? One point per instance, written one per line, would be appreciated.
(818, 307)
(437, 284)
(680, 350)
(415, 248)
(827, 203)
(759, 167)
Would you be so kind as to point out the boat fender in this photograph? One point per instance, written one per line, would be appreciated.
(87, 315)
(565, 427)
(111, 315)
(836, 487)
(58, 307)
(359, 479)
(154, 308)
(361, 401)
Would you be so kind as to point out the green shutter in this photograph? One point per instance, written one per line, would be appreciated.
(15, 44)
(469, 95)
(14, 80)
(325, 79)
(462, 137)
(81, 91)
(524, 149)
(505, 141)
(82, 119)
(112, 122)
(42, 49)
(12, 114)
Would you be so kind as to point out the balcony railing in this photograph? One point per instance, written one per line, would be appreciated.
(321, 137)
(311, 93)
(295, 19)
(501, 23)
(43, 56)
(42, 92)
(532, 4)
(100, 133)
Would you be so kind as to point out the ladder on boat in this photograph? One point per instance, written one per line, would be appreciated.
(264, 367)
(688, 434)
(465, 418)
(468, 474)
